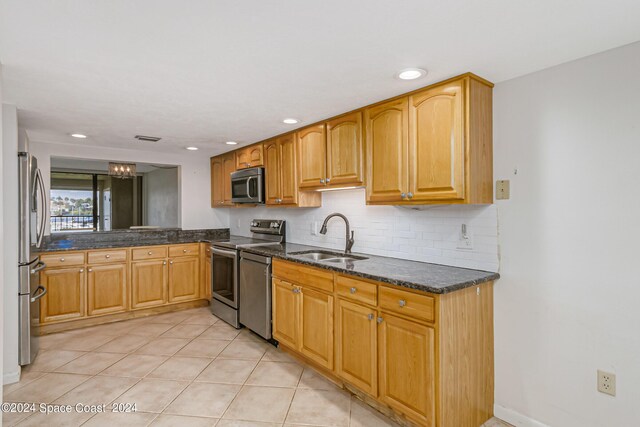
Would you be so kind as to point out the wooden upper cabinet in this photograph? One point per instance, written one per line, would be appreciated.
(312, 154)
(217, 182)
(436, 143)
(249, 157)
(345, 151)
(273, 176)
(228, 167)
(387, 142)
(288, 170)
(65, 297)
(106, 288)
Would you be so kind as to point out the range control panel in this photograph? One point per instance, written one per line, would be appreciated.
(268, 226)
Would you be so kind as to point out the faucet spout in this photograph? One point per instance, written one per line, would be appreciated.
(349, 234)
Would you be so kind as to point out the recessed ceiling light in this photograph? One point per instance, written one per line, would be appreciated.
(411, 73)
(191, 148)
(231, 143)
(78, 135)
(290, 121)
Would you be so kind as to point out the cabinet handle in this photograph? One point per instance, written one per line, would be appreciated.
(171, 262)
(370, 316)
(184, 251)
(82, 270)
(403, 195)
(107, 256)
(322, 181)
(164, 262)
(89, 270)
(296, 290)
(278, 200)
(61, 259)
(410, 195)
(353, 290)
(328, 180)
(149, 253)
(402, 303)
(379, 319)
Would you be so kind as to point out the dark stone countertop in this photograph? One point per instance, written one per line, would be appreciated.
(422, 276)
(128, 238)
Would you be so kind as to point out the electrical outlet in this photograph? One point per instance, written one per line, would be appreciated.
(606, 382)
(314, 228)
(465, 240)
(503, 190)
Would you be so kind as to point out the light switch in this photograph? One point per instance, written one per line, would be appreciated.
(502, 189)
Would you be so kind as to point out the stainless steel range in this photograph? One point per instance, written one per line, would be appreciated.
(226, 281)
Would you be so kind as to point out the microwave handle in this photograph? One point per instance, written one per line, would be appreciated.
(249, 187)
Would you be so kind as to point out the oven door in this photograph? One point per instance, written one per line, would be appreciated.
(247, 189)
(224, 276)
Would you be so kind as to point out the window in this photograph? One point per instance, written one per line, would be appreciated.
(73, 205)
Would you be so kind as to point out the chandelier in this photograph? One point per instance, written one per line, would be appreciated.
(122, 170)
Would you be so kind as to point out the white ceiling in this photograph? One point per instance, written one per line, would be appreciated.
(201, 72)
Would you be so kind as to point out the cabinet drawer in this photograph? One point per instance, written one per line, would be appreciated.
(307, 276)
(150, 252)
(101, 257)
(63, 259)
(412, 305)
(190, 249)
(357, 290)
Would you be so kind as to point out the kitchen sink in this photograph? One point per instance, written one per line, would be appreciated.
(326, 256)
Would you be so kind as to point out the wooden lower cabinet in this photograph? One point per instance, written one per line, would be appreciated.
(407, 367)
(356, 345)
(65, 297)
(148, 283)
(316, 327)
(106, 289)
(183, 278)
(286, 313)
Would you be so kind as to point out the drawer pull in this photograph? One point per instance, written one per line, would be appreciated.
(370, 316)
(107, 256)
(61, 259)
(353, 290)
(184, 251)
(402, 303)
(149, 253)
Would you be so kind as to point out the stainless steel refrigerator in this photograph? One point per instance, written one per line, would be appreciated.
(32, 208)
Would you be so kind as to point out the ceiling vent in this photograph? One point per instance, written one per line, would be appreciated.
(147, 138)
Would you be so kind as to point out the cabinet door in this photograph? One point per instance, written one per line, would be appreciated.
(344, 150)
(242, 159)
(106, 288)
(255, 155)
(356, 346)
(407, 368)
(436, 143)
(288, 169)
(217, 182)
(312, 152)
(316, 327)
(228, 167)
(386, 145)
(285, 312)
(148, 283)
(183, 278)
(272, 172)
(66, 294)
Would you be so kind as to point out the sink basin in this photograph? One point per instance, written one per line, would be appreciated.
(326, 256)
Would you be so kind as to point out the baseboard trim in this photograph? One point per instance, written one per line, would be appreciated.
(11, 377)
(515, 418)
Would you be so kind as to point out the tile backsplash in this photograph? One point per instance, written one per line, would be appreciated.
(426, 233)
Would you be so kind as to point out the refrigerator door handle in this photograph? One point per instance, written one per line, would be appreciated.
(43, 214)
(39, 267)
(36, 295)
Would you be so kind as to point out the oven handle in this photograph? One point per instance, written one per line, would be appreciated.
(249, 187)
(217, 251)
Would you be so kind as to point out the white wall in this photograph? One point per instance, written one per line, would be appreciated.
(567, 302)
(9, 201)
(161, 198)
(429, 235)
(194, 179)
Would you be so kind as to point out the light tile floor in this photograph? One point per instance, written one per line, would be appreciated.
(184, 368)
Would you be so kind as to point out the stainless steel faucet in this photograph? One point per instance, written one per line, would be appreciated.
(349, 240)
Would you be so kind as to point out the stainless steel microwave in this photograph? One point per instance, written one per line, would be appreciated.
(247, 186)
